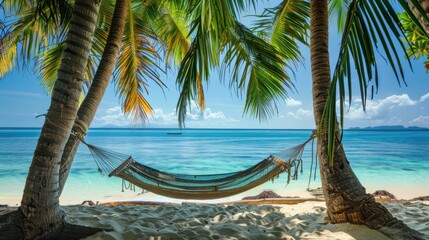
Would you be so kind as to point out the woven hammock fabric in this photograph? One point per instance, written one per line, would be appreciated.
(185, 186)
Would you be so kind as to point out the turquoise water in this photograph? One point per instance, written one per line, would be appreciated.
(397, 161)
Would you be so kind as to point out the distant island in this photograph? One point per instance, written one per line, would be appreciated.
(389, 128)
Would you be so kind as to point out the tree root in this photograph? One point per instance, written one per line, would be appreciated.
(390, 226)
(10, 229)
(375, 216)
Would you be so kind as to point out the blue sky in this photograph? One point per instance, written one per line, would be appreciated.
(22, 98)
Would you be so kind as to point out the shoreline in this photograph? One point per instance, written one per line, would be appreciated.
(139, 196)
(305, 220)
(266, 218)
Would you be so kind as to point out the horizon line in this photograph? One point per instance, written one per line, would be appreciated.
(370, 128)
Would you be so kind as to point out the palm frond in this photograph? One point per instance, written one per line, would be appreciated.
(48, 63)
(211, 22)
(59, 11)
(257, 67)
(137, 64)
(370, 26)
(7, 58)
(27, 36)
(106, 13)
(338, 12)
(285, 26)
(13, 6)
(171, 27)
(189, 79)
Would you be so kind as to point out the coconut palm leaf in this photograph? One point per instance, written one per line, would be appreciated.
(11, 6)
(7, 57)
(338, 12)
(49, 62)
(137, 63)
(59, 11)
(255, 65)
(39, 36)
(257, 68)
(27, 37)
(189, 78)
(211, 20)
(370, 26)
(286, 25)
(172, 29)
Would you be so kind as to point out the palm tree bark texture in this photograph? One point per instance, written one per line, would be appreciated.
(40, 215)
(346, 198)
(96, 91)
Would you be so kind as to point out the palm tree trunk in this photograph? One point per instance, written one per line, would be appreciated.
(99, 84)
(40, 211)
(346, 198)
(425, 5)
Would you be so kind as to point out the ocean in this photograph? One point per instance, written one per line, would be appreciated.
(397, 161)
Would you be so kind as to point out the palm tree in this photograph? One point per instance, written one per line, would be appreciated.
(147, 23)
(346, 198)
(263, 73)
(47, 223)
(96, 91)
(40, 215)
(130, 74)
(258, 68)
(364, 24)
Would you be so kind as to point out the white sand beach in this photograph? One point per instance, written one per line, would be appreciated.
(238, 221)
(149, 216)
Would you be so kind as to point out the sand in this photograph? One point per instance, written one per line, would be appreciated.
(289, 218)
(238, 221)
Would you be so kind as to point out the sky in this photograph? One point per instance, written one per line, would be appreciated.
(22, 98)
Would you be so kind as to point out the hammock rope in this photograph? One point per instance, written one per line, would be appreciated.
(188, 186)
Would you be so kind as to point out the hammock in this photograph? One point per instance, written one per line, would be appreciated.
(185, 186)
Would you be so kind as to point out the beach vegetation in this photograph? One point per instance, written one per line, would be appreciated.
(214, 37)
(367, 29)
(136, 65)
(419, 40)
(40, 215)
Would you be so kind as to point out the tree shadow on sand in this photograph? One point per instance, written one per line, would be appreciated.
(210, 221)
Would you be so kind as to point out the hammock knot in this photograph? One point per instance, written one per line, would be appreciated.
(126, 164)
(79, 129)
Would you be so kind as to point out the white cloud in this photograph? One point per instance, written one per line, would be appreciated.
(420, 120)
(424, 97)
(290, 102)
(161, 118)
(207, 118)
(20, 93)
(301, 113)
(400, 100)
(112, 117)
(378, 108)
(194, 118)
